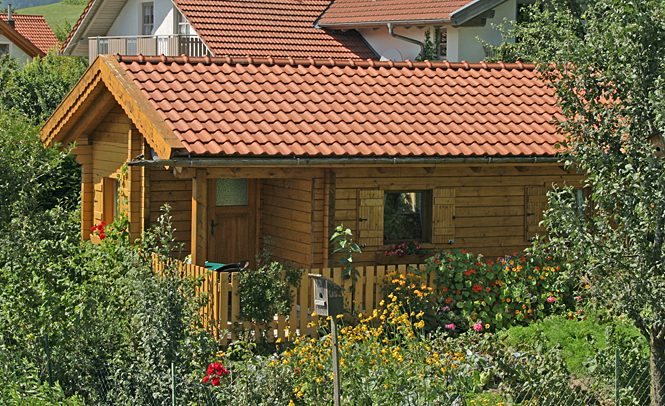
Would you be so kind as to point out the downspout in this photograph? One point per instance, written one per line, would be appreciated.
(407, 39)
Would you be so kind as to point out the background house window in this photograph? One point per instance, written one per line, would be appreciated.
(407, 216)
(147, 18)
(182, 26)
(4, 49)
(442, 41)
(231, 192)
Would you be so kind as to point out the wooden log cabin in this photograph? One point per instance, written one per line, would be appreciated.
(453, 155)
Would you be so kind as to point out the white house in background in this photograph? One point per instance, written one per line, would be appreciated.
(356, 29)
(25, 36)
(395, 29)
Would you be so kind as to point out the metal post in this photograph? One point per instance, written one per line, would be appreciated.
(335, 357)
(617, 370)
(172, 384)
(48, 360)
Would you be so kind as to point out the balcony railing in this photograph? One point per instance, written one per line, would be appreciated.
(149, 45)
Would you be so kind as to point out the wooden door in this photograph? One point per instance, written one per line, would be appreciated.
(232, 228)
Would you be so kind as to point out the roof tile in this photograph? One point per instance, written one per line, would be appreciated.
(282, 107)
(35, 29)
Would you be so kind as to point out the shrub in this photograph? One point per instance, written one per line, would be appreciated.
(266, 292)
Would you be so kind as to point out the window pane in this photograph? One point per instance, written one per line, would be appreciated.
(404, 216)
(231, 192)
(4, 49)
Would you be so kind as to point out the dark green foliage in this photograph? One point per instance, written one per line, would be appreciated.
(266, 291)
(37, 88)
(61, 33)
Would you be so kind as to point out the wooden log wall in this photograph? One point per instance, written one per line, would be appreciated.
(289, 208)
(109, 153)
(490, 201)
(166, 188)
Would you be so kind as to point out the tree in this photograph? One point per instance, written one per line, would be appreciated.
(37, 88)
(606, 62)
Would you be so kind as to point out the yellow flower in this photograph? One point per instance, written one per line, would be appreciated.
(279, 340)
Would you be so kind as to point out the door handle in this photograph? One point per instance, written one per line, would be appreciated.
(212, 227)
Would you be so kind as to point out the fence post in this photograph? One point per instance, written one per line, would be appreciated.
(172, 384)
(617, 370)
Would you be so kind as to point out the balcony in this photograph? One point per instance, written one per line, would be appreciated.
(149, 45)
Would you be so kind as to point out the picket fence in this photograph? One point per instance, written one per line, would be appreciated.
(223, 310)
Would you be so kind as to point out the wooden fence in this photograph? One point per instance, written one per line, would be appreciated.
(223, 310)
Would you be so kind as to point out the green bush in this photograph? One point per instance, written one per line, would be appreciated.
(265, 292)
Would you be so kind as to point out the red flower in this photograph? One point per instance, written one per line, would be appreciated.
(103, 223)
(463, 252)
(210, 370)
(100, 227)
(445, 289)
(206, 379)
(459, 292)
(215, 381)
(93, 228)
(102, 236)
(448, 300)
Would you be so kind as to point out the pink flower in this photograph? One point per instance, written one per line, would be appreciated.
(551, 299)
(450, 326)
(478, 326)
(578, 298)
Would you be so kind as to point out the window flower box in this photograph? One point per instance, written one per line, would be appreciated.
(383, 259)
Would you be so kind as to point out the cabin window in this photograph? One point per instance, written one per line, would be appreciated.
(387, 217)
(407, 216)
(231, 192)
(4, 49)
(147, 18)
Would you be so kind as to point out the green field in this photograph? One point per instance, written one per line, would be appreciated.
(56, 14)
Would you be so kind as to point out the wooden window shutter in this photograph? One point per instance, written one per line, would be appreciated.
(443, 215)
(370, 217)
(535, 206)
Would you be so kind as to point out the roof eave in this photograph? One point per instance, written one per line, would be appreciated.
(371, 24)
(20, 41)
(328, 161)
(137, 106)
(472, 10)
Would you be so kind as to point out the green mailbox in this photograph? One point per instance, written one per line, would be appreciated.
(328, 296)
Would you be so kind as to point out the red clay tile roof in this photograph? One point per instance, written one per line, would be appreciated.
(265, 28)
(350, 12)
(252, 106)
(35, 29)
(279, 28)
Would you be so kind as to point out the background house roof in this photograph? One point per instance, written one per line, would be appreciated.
(281, 107)
(270, 28)
(241, 28)
(350, 12)
(35, 29)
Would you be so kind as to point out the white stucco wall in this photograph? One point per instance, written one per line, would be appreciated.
(463, 44)
(128, 22)
(16, 52)
(384, 45)
(470, 49)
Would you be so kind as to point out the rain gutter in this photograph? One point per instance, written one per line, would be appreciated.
(341, 161)
(407, 39)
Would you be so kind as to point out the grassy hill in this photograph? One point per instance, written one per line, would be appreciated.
(56, 15)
